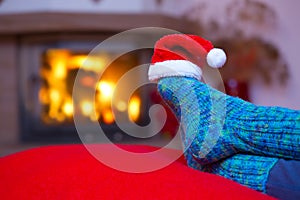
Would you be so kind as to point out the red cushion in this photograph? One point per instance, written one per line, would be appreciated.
(71, 172)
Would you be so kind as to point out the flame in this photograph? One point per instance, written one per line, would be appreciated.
(134, 108)
(106, 89)
(88, 63)
(108, 116)
(55, 101)
(68, 108)
(76, 61)
(58, 61)
(43, 96)
(55, 94)
(87, 108)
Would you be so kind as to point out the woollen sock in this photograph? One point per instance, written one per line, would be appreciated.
(217, 126)
(248, 170)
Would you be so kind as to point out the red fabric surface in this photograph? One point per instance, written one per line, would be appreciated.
(71, 172)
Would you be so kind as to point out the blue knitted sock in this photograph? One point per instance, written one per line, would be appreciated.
(217, 126)
(249, 170)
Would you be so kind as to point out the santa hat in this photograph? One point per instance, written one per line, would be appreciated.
(183, 55)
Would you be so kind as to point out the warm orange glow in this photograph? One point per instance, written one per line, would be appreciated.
(68, 108)
(43, 96)
(134, 108)
(108, 116)
(76, 61)
(95, 64)
(88, 63)
(121, 106)
(87, 108)
(54, 95)
(106, 90)
(58, 73)
(59, 70)
(55, 101)
(88, 81)
(58, 59)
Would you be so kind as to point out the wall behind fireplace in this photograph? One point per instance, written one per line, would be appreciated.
(103, 6)
(8, 91)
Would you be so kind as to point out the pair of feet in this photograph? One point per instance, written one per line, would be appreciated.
(222, 134)
(228, 136)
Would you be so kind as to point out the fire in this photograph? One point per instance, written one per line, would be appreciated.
(134, 108)
(58, 75)
(86, 108)
(108, 116)
(91, 63)
(68, 108)
(106, 90)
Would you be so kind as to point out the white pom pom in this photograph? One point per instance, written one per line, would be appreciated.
(216, 58)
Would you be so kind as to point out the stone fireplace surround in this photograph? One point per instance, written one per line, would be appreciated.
(16, 27)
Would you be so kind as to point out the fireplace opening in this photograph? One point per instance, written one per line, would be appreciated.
(58, 73)
(48, 72)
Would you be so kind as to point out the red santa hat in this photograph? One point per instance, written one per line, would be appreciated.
(183, 55)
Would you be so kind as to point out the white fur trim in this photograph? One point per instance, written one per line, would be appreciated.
(174, 68)
(216, 58)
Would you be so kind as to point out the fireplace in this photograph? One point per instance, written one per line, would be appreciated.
(32, 45)
(49, 66)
